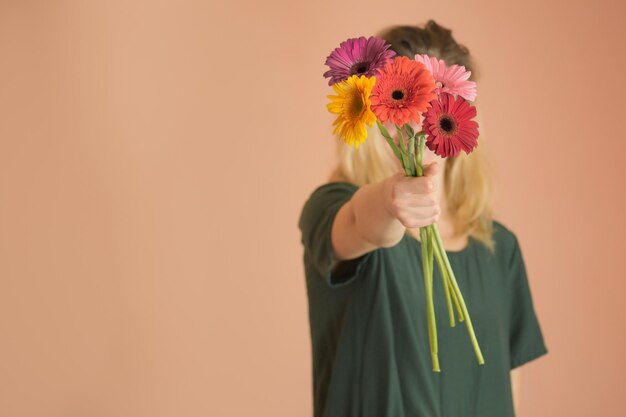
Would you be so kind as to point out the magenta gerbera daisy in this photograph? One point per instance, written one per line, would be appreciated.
(451, 80)
(404, 89)
(449, 126)
(357, 56)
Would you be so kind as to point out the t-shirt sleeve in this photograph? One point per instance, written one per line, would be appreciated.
(315, 225)
(525, 336)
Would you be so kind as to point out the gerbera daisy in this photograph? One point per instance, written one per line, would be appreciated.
(352, 104)
(403, 90)
(357, 56)
(448, 126)
(451, 80)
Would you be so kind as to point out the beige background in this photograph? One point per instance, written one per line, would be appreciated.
(154, 158)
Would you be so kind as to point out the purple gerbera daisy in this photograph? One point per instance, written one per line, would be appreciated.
(357, 56)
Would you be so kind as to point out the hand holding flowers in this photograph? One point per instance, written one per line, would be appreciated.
(372, 84)
(413, 201)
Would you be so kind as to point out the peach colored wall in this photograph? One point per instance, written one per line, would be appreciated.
(154, 157)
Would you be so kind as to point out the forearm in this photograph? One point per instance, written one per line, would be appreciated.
(372, 219)
(516, 387)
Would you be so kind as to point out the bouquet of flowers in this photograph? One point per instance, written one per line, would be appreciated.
(373, 84)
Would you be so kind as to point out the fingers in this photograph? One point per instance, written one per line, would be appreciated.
(418, 218)
(420, 185)
(414, 201)
(419, 200)
(413, 214)
(431, 169)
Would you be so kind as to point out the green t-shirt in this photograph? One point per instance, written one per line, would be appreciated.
(369, 334)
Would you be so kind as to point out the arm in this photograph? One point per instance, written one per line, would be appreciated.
(374, 227)
(515, 384)
(377, 214)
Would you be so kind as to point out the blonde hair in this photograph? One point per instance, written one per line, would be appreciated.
(468, 190)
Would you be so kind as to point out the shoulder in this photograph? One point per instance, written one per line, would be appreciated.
(508, 248)
(335, 188)
(323, 199)
(328, 193)
(505, 240)
(503, 234)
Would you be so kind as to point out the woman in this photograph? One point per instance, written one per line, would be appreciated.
(363, 270)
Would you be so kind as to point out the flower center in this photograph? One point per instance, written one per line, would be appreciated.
(446, 124)
(397, 95)
(359, 68)
(357, 106)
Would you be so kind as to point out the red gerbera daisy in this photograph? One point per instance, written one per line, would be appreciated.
(403, 90)
(448, 126)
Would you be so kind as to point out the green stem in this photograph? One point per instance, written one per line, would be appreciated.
(455, 300)
(401, 139)
(412, 156)
(430, 310)
(448, 283)
(428, 249)
(468, 321)
(445, 284)
(389, 139)
(420, 170)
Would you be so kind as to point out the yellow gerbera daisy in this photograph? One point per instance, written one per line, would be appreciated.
(352, 104)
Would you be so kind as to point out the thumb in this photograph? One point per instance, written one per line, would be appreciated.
(431, 169)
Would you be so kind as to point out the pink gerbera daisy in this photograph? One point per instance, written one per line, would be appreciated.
(451, 80)
(449, 126)
(404, 89)
(357, 56)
